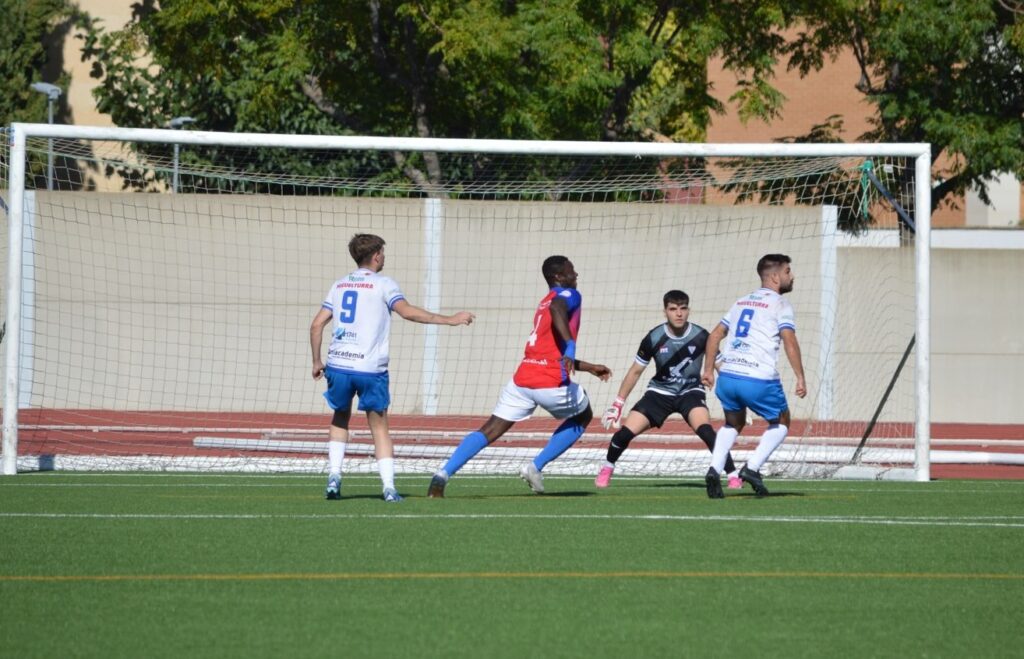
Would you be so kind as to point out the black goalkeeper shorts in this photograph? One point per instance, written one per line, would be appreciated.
(658, 407)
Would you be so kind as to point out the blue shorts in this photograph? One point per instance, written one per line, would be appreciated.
(765, 397)
(371, 387)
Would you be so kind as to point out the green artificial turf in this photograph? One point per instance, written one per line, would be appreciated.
(223, 565)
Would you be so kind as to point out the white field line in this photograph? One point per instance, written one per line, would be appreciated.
(1015, 522)
(284, 434)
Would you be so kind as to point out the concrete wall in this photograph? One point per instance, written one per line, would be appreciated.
(181, 302)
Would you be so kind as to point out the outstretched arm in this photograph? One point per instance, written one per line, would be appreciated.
(613, 414)
(419, 315)
(711, 354)
(792, 347)
(316, 340)
(629, 381)
(599, 370)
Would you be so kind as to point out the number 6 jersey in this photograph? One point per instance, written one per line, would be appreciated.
(751, 349)
(361, 305)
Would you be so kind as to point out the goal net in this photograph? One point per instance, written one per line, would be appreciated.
(164, 294)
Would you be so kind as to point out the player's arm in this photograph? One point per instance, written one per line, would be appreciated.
(316, 339)
(711, 354)
(613, 414)
(419, 315)
(599, 370)
(559, 311)
(792, 347)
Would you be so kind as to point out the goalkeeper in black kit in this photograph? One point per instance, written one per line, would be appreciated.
(677, 349)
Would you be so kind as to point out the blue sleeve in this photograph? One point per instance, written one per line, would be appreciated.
(572, 298)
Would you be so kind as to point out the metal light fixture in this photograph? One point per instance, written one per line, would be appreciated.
(53, 93)
(177, 123)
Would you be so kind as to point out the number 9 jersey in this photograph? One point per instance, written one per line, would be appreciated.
(361, 305)
(751, 349)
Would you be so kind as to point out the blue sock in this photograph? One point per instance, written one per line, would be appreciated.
(471, 444)
(564, 437)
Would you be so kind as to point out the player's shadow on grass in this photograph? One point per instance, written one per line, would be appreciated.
(530, 495)
(730, 493)
(353, 497)
(750, 495)
(697, 486)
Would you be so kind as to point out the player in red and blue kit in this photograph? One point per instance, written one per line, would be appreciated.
(544, 378)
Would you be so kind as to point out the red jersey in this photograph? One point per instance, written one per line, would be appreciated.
(541, 367)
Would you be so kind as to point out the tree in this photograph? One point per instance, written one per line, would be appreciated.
(23, 57)
(28, 26)
(939, 71)
(532, 69)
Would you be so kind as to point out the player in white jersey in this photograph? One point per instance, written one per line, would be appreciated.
(748, 375)
(360, 305)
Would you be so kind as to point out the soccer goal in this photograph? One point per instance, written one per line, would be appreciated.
(158, 297)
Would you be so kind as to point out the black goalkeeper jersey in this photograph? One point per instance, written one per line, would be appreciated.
(678, 359)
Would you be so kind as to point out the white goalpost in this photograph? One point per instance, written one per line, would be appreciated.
(163, 325)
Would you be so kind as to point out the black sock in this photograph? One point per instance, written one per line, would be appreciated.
(620, 441)
(707, 435)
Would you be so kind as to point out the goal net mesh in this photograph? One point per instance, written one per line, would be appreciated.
(167, 298)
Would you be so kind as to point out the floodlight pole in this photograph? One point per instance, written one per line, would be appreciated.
(52, 92)
(176, 123)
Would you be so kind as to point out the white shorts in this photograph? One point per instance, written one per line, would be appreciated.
(517, 403)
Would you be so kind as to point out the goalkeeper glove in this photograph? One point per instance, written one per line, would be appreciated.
(613, 415)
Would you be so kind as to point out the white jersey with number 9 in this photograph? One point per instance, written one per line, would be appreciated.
(361, 304)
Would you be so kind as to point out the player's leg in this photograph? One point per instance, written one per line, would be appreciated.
(470, 445)
(646, 413)
(337, 439)
(771, 439)
(384, 452)
(697, 415)
(731, 394)
(475, 442)
(724, 439)
(512, 406)
(375, 399)
(772, 406)
(339, 395)
(571, 404)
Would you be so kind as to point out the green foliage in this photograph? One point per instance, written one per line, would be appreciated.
(27, 27)
(536, 69)
(23, 57)
(835, 187)
(945, 72)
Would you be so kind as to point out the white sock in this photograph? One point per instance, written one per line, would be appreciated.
(335, 456)
(610, 465)
(724, 439)
(386, 467)
(770, 440)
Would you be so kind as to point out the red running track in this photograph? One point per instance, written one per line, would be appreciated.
(105, 432)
